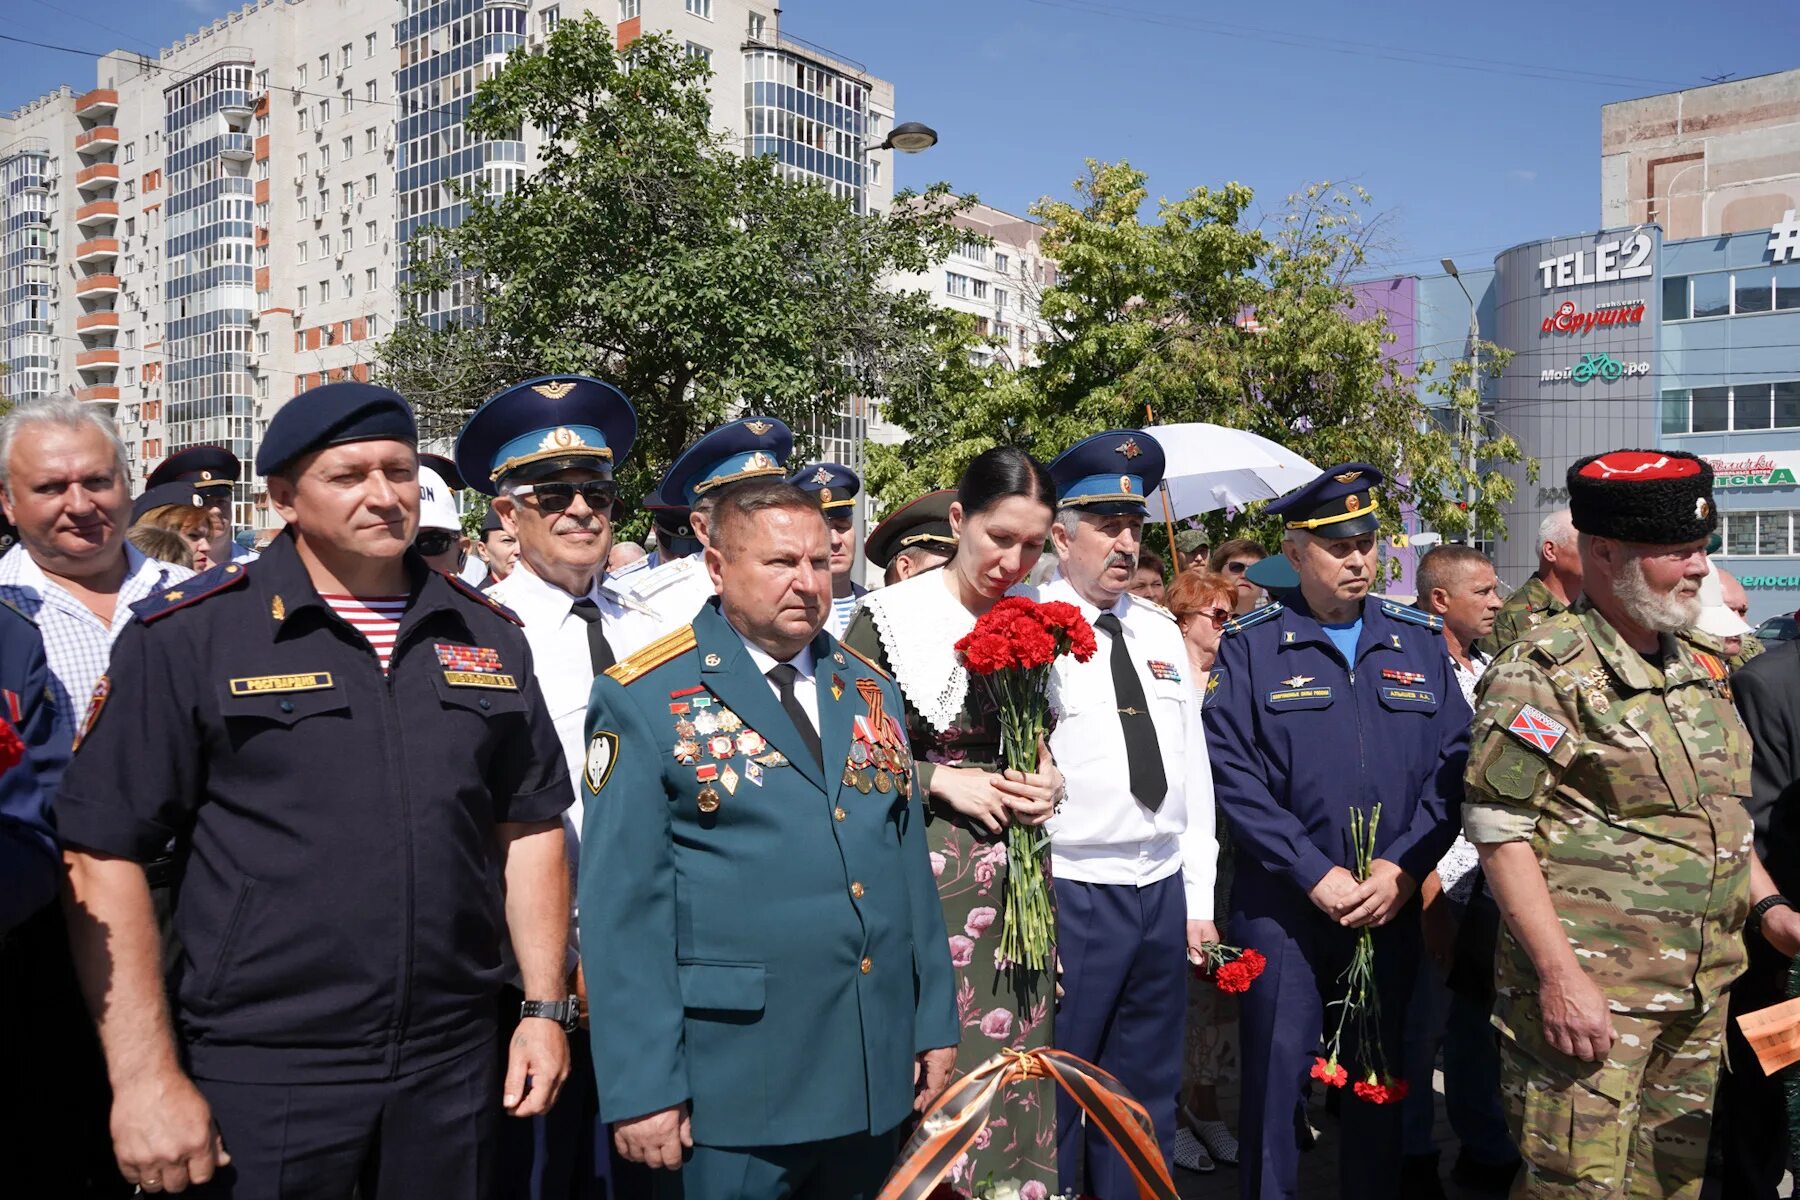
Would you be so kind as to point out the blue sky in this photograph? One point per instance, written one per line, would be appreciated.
(1474, 126)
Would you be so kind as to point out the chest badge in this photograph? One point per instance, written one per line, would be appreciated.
(1396, 639)
(1398, 676)
(277, 610)
(1298, 681)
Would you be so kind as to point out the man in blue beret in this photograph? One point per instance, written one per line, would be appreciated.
(353, 756)
(749, 448)
(546, 449)
(214, 472)
(1329, 703)
(837, 487)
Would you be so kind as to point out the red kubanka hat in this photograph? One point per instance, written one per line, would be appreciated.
(1657, 497)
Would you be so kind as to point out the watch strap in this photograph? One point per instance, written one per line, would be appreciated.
(566, 1013)
(1755, 919)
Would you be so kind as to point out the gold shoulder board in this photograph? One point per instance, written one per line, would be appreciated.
(646, 660)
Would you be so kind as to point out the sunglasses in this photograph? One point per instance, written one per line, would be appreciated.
(557, 497)
(432, 542)
(1218, 616)
(1238, 566)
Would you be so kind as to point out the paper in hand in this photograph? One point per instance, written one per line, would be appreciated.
(1774, 1034)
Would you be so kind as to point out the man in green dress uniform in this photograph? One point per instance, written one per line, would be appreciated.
(764, 933)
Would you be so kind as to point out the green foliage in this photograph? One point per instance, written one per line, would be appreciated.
(1145, 318)
(646, 251)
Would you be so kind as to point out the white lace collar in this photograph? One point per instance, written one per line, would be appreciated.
(920, 623)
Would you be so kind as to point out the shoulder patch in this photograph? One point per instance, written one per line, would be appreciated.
(1139, 602)
(1250, 619)
(221, 578)
(1405, 612)
(669, 646)
(865, 659)
(1554, 640)
(486, 601)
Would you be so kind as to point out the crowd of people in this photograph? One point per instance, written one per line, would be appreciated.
(365, 867)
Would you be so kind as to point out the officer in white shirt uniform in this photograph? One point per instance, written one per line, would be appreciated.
(748, 448)
(1132, 845)
(546, 450)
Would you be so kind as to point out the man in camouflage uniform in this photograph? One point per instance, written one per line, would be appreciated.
(1605, 793)
(1550, 590)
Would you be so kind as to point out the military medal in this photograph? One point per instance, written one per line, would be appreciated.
(884, 783)
(684, 729)
(703, 701)
(859, 754)
(729, 778)
(837, 688)
(753, 772)
(706, 772)
(750, 743)
(1406, 677)
(721, 746)
(708, 800)
(849, 776)
(864, 780)
(729, 722)
(1599, 702)
(773, 758)
(687, 753)
(677, 709)
(707, 722)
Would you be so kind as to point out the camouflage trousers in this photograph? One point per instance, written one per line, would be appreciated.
(1634, 1127)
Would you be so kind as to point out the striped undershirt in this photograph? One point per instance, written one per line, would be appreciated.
(375, 617)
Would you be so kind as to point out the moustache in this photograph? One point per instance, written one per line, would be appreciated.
(1128, 561)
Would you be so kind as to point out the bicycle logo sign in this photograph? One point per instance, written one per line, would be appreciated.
(1603, 367)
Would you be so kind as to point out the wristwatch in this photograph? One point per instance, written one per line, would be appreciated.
(566, 1013)
(1754, 921)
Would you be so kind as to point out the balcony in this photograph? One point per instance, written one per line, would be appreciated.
(97, 104)
(98, 360)
(239, 147)
(96, 178)
(103, 394)
(105, 321)
(97, 139)
(100, 212)
(97, 250)
(92, 287)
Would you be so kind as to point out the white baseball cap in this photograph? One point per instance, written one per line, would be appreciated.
(1715, 618)
(437, 508)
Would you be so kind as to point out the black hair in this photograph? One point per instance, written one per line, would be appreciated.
(1001, 472)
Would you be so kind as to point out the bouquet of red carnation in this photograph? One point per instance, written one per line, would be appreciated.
(1228, 968)
(12, 746)
(1360, 1008)
(1011, 650)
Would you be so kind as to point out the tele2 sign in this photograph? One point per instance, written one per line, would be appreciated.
(1629, 258)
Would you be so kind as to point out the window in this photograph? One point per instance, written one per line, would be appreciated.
(549, 19)
(325, 156)
(700, 8)
(304, 114)
(1712, 409)
(1750, 408)
(1747, 406)
(349, 146)
(999, 297)
(369, 186)
(303, 207)
(262, 80)
(1712, 295)
(349, 239)
(349, 286)
(344, 57)
(324, 65)
(369, 234)
(1764, 534)
(972, 250)
(981, 289)
(324, 111)
(1675, 298)
(369, 278)
(300, 297)
(262, 343)
(371, 141)
(373, 320)
(369, 92)
(305, 161)
(629, 10)
(696, 50)
(302, 74)
(349, 101)
(349, 193)
(300, 250)
(1786, 397)
(1753, 292)
(369, 46)
(324, 290)
(325, 246)
(1000, 262)
(956, 285)
(1787, 286)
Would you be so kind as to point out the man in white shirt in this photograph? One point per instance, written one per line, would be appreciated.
(1132, 846)
(546, 451)
(63, 483)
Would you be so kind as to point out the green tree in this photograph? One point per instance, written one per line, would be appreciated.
(645, 250)
(1201, 315)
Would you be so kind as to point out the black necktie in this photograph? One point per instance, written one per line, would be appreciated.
(783, 676)
(1142, 751)
(599, 651)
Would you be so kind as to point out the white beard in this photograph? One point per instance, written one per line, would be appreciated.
(1664, 612)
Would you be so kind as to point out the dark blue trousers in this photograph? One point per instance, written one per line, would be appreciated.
(1124, 1009)
(1283, 1022)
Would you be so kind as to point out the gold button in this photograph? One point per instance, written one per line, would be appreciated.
(856, 889)
(838, 814)
(868, 964)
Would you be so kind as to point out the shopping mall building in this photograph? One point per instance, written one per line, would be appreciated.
(1676, 327)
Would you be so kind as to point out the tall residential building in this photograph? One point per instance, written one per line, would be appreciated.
(211, 230)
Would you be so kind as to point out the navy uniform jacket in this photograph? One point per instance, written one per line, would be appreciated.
(780, 959)
(29, 861)
(1298, 736)
(340, 911)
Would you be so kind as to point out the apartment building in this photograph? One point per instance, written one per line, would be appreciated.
(209, 231)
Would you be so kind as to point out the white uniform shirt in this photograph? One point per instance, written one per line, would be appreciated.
(1103, 834)
(1456, 870)
(806, 686)
(672, 592)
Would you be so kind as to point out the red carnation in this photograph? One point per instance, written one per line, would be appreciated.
(1330, 1073)
(1065, 620)
(1253, 962)
(1233, 978)
(12, 748)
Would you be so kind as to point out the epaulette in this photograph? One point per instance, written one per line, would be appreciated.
(1239, 624)
(634, 567)
(190, 591)
(475, 593)
(866, 661)
(661, 576)
(1152, 605)
(1554, 640)
(1411, 615)
(648, 658)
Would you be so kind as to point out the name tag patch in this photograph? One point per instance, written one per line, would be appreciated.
(481, 679)
(257, 685)
(467, 658)
(1401, 695)
(1293, 695)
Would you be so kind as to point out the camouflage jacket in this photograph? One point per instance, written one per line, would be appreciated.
(1710, 644)
(1629, 782)
(1528, 607)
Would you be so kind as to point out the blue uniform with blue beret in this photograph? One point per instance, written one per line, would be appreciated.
(1300, 734)
(340, 916)
(762, 926)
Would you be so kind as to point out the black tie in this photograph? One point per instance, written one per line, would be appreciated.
(599, 651)
(783, 676)
(1148, 783)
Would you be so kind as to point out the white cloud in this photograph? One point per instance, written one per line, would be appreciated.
(1520, 175)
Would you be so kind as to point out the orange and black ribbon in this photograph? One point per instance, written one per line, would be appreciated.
(949, 1129)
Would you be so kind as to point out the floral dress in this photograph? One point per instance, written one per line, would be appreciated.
(1017, 1150)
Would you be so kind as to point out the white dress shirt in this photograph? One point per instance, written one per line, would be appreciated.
(1103, 834)
(806, 685)
(1456, 870)
(76, 642)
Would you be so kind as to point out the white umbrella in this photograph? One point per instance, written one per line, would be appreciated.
(1213, 466)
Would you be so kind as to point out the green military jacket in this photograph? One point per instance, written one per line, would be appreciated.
(1629, 782)
(761, 936)
(1525, 609)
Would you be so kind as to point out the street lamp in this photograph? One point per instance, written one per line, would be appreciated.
(908, 138)
(1475, 379)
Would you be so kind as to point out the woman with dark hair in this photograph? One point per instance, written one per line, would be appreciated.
(1001, 517)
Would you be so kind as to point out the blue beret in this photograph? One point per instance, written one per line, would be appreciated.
(743, 449)
(835, 484)
(1109, 473)
(1338, 504)
(206, 467)
(545, 425)
(332, 415)
(179, 492)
